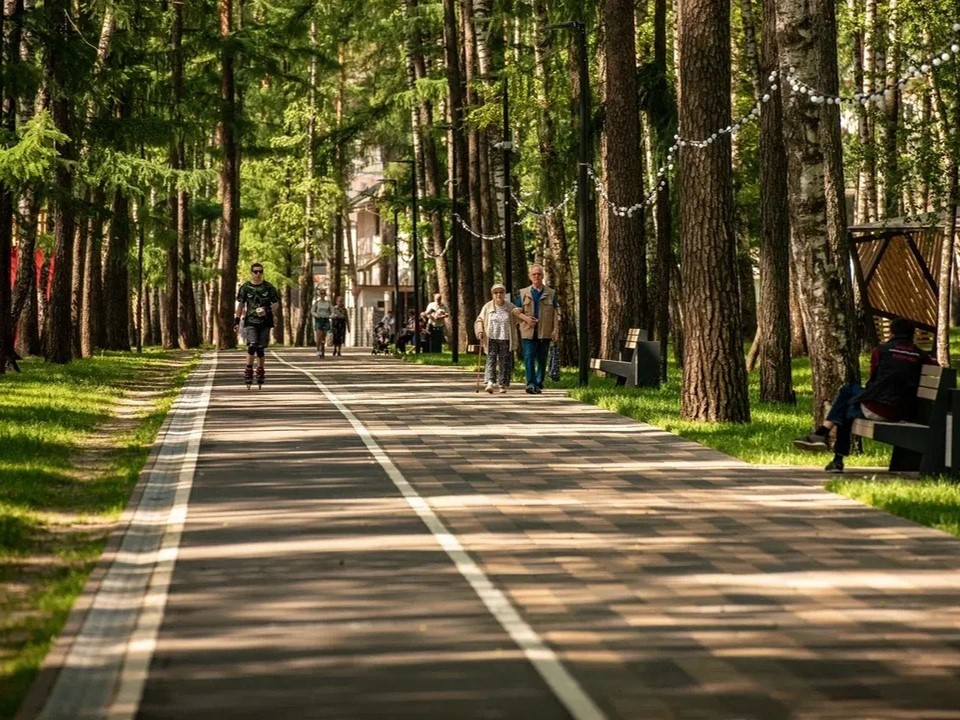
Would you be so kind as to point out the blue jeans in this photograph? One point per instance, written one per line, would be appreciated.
(843, 412)
(535, 360)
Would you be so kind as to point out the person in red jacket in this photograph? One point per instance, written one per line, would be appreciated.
(890, 394)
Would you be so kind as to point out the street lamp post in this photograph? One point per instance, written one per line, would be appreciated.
(397, 317)
(583, 195)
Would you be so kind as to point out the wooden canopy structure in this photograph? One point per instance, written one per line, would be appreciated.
(898, 263)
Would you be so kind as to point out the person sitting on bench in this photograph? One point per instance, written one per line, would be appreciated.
(407, 332)
(895, 368)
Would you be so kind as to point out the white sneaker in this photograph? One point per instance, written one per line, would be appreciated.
(502, 389)
(317, 353)
(489, 388)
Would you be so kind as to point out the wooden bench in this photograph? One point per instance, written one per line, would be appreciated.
(921, 443)
(639, 363)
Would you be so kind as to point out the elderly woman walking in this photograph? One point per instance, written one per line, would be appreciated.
(496, 329)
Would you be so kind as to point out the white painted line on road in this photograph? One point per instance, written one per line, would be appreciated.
(143, 643)
(105, 669)
(580, 705)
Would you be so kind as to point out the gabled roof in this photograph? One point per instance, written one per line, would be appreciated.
(928, 222)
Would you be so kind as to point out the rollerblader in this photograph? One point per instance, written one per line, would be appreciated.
(321, 310)
(257, 301)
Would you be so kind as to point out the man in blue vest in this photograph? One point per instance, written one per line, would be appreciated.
(539, 314)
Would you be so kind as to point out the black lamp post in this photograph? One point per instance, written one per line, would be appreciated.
(583, 195)
(414, 250)
(397, 317)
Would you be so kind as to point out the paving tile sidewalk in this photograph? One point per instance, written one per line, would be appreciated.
(670, 580)
(675, 581)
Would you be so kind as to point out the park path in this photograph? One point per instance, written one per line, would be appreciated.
(370, 539)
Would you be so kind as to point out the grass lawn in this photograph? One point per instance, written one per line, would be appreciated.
(68, 462)
(765, 440)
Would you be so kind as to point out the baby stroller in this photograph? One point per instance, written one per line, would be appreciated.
(381, 339)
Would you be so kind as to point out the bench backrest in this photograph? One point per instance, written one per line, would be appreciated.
(634, 335)
(933, 393)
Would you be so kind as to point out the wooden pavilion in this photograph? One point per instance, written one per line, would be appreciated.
(898, 262)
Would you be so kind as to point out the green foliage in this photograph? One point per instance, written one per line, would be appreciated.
(934, 503)
(49, 507)
(31, 161)
(134, 175)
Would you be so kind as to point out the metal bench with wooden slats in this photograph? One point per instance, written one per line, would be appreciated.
(639, 363)
(919, 444)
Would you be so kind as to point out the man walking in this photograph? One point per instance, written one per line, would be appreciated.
(539, 314)
(257, 301)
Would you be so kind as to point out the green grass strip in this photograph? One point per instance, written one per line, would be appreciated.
(54, 517)
(934, 503)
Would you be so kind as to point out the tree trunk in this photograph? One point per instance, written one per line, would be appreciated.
(867, 198)
(92, 327)
(155, 305)
(116, 279)
(187, 323)
(305, 286)
(26, 284)
(820, 264)
(948, 244)
(558, 259)
(9, 122)
(714, 371)
(622, 237)
(170, 326)
(593, 259)
(471, 159)
(229, 239)
(58, 345)
(428, 157)
(336, 266)
(467, 295)
(662, 111)
(81, 237)
(891, 155)
(773, 317)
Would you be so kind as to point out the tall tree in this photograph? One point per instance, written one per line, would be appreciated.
(456, 102)
(9, 123)
(229, 239)
(622, 239)
(818, 259)
(305, 287)
(557, 261)
(714, 370)
(58, 347)
(773, 326)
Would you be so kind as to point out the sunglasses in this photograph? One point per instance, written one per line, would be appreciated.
(257, 272)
